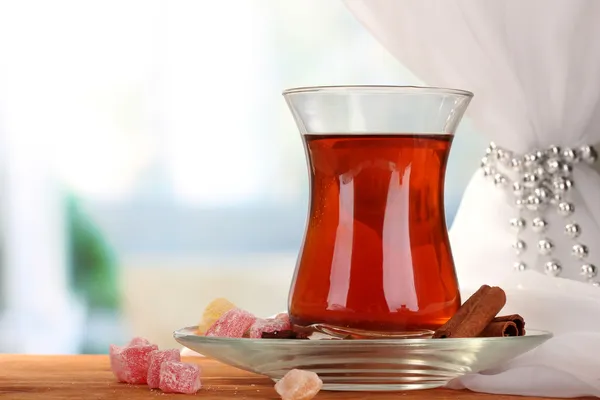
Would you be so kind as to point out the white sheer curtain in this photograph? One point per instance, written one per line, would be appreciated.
(534, 67)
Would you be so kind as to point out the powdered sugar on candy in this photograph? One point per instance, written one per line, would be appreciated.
(157, 358)
(233, 324)
(130, 363)
(178, 377)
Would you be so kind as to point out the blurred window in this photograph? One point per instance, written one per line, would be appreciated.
(161, 125)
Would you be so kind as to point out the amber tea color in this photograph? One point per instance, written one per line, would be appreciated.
(376, 254)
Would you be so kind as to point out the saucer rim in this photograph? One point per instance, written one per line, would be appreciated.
(533, 334)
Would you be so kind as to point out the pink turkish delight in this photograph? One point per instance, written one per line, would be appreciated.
(298, 384)
(213, 311)
(284, 316)
(157, 357)
(130, 364)
(114, 352)
(178, 377)
(233, 324)
(280, 323)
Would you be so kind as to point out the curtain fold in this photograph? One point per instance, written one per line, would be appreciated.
(534, 67)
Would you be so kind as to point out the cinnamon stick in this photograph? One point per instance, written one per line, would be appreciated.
(514, 318)
(474, 315)
(500, 329)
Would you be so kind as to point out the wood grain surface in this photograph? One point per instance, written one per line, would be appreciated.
(89, 377)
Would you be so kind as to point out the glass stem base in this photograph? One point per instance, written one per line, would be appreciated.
(341, 332)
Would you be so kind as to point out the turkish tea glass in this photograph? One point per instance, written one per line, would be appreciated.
(375, 259)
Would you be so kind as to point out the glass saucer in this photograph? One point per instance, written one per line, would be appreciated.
(365, 365)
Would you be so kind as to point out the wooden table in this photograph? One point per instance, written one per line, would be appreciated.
(89, 377)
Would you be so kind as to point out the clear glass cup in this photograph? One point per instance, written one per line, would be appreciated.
(376, 258)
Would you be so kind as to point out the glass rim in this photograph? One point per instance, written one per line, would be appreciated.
(394, 89)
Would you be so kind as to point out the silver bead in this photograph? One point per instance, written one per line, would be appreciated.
(484, 162)
(516, 164)
(588, 270)
(542, 192)
(545, 247)
(487, 171)
(538, 224)
(520, 203)
(533, 203)
(530, 159)
(595, 284)
(519, 246)
(499, 180)
(503, 155)
(539, 172)
(588, 154)
(517, 224)
(561, 185)
(569, 155)
(566, 169)
(552, 165)
(565, 209)
(554, 151)
(529, 179)
(579, 251)
(518, 188)
(572, 230)
(552, 268)
(520, 266)
(568, 183)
